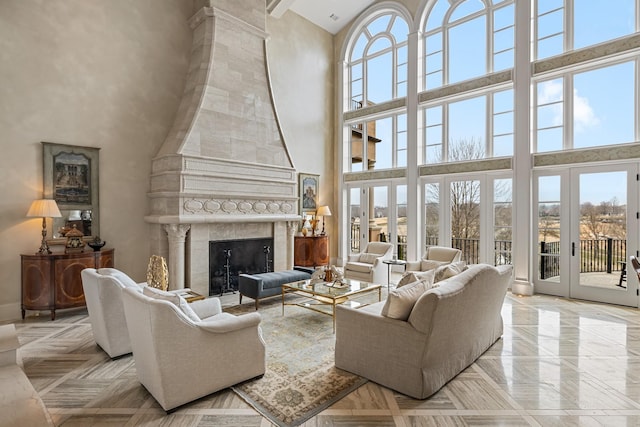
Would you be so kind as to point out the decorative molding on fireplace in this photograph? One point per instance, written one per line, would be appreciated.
(244, 207)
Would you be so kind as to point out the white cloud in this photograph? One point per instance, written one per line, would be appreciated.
(552, 92)
(583, 115)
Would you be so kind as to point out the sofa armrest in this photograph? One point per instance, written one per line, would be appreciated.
(9, 345)
(230, 323)
(207, 307)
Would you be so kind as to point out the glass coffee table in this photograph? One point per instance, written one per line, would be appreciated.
(323, 297)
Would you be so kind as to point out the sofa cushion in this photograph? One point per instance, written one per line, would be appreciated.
(358, 266)
(449, 270)
(368, 258)
(428, 264)
(400, 301)
(175, 299)
(408, 277)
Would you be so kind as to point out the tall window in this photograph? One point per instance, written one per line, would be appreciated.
(469, 129)
(601, 110)
(466, 39)
(378, 61)
(565, 25)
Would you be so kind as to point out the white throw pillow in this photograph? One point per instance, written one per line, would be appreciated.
(449, 270)
(400, 302)
(176, 300)
(427, 264)
(408, 277)
(426, 276)
(368, 258)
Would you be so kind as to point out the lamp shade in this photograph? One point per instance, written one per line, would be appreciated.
(323, 211)
(44, 208)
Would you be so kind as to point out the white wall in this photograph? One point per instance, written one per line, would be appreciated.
(110, 75)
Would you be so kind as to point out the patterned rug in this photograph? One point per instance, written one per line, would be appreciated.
(301, 379)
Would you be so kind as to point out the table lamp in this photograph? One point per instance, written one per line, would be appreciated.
(44, 208)
(323, 211)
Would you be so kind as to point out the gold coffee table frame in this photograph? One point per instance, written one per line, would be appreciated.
(323, 294)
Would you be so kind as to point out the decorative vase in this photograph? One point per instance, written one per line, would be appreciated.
(304, 232)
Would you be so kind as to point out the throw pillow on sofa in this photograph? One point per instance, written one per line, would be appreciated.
(427, 264)
(176, 300)
(406, 278)
(400, 301)
(446, 271)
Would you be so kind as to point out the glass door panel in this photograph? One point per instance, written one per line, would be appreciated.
(600, 234)
(548, 233)
(432, 214)
(401, 221)
(465, 219)
(502, 221)
(355, 215)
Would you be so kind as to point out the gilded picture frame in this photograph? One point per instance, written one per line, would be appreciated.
(309, 188)
(71, 178)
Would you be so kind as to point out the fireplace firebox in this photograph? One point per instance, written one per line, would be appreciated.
(230, 258)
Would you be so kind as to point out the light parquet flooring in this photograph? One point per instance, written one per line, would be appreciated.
(560, 363)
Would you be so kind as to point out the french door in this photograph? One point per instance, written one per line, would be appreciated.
(372, 215)
(585, 228)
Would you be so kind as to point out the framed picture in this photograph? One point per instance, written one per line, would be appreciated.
(70, 177)
(309, 187)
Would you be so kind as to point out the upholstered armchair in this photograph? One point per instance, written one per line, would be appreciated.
(368, 265)
(103, 295)
(183, 355)
(434, 257)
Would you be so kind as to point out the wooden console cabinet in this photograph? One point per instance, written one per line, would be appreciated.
(51, 282)
(311, 251)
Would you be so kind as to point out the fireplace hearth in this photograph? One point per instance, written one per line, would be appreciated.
(230, 258)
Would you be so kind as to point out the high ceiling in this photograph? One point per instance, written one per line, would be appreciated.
(332, 15)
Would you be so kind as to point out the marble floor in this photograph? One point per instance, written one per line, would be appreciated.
(560, 363)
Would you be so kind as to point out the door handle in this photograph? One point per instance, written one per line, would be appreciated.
(573, 248)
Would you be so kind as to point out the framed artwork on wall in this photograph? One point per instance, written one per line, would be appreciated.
(309, 187)
(70, 177)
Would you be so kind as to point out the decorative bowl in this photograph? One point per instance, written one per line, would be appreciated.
(97, 246)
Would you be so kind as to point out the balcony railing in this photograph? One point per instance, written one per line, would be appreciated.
(597, 255)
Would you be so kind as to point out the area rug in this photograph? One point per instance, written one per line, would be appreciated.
(301, 379)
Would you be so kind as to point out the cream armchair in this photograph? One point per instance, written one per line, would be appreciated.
(435, 256)
(368, 266)
(103, 295)
(179, 359)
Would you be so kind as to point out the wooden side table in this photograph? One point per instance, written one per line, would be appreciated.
(311, 251)
(53, 281)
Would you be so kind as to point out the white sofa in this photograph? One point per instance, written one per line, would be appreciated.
(20, 403)
(368, 265)
(433, 257)
(447, 329)
(182, 355)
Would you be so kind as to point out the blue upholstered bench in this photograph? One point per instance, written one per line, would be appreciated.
(263, 285)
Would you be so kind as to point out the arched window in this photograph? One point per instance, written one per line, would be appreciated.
(376, 69)
(377, 63)
(464, 39)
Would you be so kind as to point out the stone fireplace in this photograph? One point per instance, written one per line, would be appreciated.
(223, 172)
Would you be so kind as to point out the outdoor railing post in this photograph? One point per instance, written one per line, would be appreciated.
(609, 254)
(542, 261)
